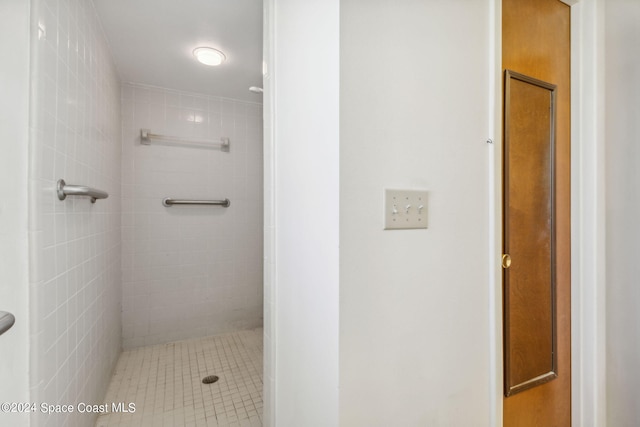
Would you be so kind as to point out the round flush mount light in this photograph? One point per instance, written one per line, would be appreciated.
(209, 56)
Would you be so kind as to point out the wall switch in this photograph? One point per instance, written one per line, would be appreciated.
(405, 209)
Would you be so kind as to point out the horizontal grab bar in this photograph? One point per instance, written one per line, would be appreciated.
(146, 136)
(168, 202)
(6, 321)
(65, 190)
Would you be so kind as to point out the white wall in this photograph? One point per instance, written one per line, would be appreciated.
(190, 271)
(301, 151)
(414, 304)
(75, 253)
(623, 210)
(588, 287)
(14, 134)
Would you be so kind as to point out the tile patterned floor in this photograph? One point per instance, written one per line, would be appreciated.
(165, 383)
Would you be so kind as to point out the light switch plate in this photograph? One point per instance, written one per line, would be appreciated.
(405, 209)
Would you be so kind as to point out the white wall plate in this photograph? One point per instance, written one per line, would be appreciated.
(405, 209)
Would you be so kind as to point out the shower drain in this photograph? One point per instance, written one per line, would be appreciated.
(210, 379)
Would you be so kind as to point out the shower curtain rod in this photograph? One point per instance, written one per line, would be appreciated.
(146, 136)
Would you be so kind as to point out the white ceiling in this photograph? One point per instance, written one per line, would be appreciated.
(152, 43)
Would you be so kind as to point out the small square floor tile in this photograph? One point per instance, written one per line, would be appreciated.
(164, 383)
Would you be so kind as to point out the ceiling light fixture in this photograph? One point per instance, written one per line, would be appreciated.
(209, 56)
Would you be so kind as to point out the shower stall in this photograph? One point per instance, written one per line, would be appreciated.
(189, 269)
(143, 225)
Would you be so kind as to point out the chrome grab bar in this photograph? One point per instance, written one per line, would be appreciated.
(65, 190)
(168, 202)
(6, 321)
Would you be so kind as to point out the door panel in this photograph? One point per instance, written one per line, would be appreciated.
(529, 282)
(536, 43)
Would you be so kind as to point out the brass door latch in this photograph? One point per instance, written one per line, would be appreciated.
(506, 261)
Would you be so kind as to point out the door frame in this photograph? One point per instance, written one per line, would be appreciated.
(15, 39)
(588, 351)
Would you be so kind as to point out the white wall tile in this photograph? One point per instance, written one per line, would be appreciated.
(181, 264)
(76, 280)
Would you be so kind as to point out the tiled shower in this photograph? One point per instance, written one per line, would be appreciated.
(75, 246)
(190, 271)
(126, 271)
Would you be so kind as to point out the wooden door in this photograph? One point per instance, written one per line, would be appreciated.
(537, 284)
